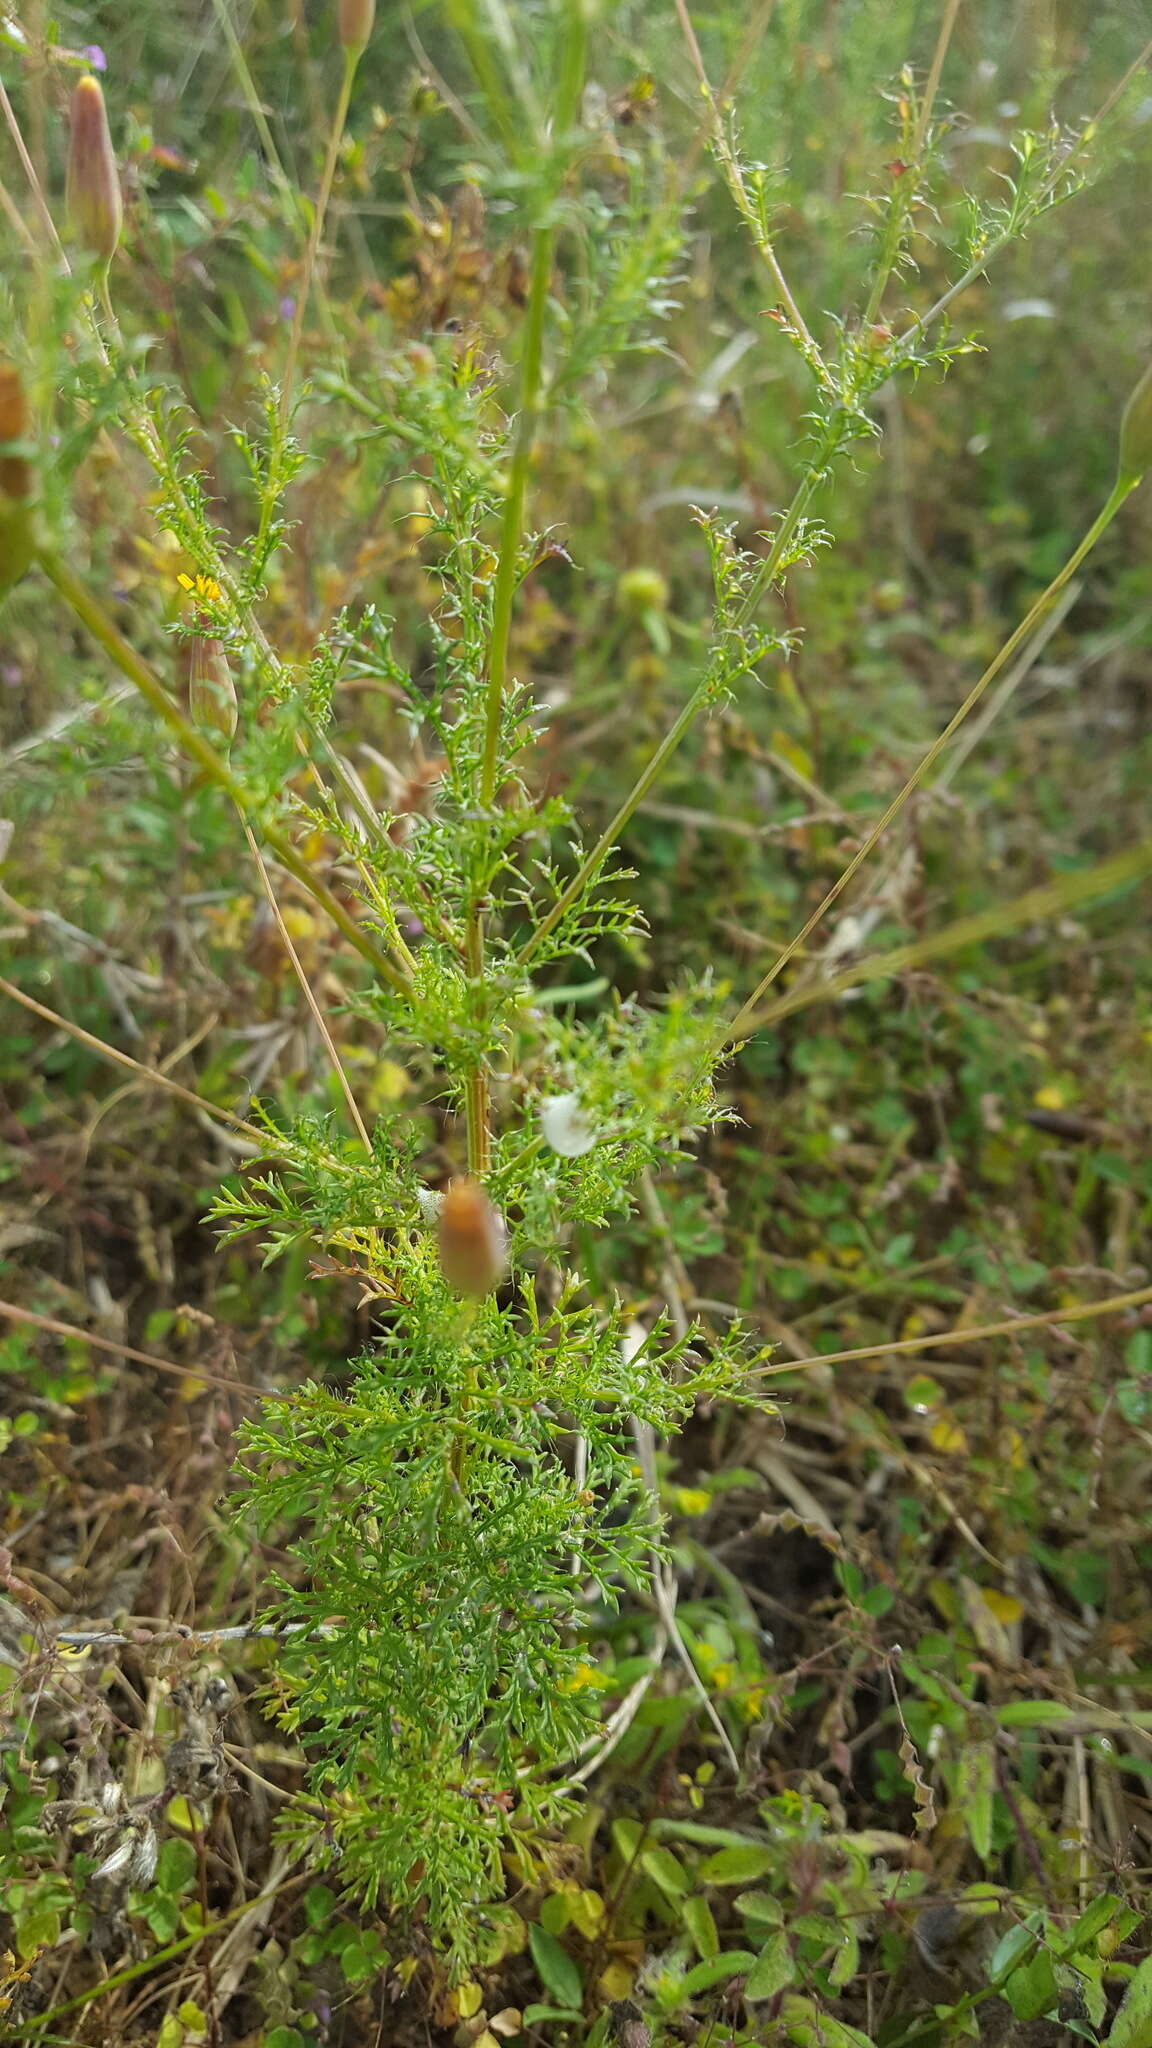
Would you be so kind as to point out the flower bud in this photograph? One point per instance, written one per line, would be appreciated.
(95, 208)
(642, 590)
(473, 1245)
(17, 544)
(211, 691)
(1136, 432)
(355, 19)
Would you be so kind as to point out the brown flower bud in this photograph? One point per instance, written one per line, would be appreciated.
(211, 690)
(355, 19)
(473, 1249)
(15, 475)
(95, 208)
(17, 543)
(1136, 432)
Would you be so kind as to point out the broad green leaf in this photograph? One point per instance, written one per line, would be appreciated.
(1034, 1714)
(975, 1795)
(846, 1961)
(665, 1870)
(762, 1908)
(1032, 1991)
(738, 1866)
(36, 1931)
(176, 1868)
(1132, 2026)
(696, 1914)
(555, 1912)
(773, 1969)
(557, 1971)
(1009, 1951)
(319, 1905)
(1092, 1921)
(717, 1970)
(809, 2027)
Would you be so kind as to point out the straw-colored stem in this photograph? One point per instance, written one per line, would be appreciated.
(1035, 906)
(1043, 604)
(335, 138)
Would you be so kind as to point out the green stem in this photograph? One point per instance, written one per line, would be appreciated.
(902, 200)
(685, 720)
(511, 527)
(512, 520)
(107, 634)
(1049, 900)
(476, 1082)
(1120, 491)
(569, 85)
(336, 136)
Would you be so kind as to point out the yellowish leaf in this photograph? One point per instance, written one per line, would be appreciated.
(946, 1435)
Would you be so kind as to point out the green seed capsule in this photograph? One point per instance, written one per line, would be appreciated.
(211, 690)
(355, 19)
(95, 207)
(1136, 432)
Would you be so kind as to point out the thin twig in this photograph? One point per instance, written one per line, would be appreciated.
(1115, 1305)
(142, 1071)
(309, 997)
(1044, 603)
(73, 1332)
(1050, 900)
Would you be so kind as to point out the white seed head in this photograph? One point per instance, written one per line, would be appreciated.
(565, 1126)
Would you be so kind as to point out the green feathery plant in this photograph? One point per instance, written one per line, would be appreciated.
(470, 1500)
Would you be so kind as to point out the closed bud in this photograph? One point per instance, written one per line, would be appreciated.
(1136, 432)
(17, 544)
(95, 208)
(355, 19)
(473, 1249)
(211, 690)
(642, 590)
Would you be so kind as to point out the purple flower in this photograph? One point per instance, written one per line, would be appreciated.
(95, 56)
(287, 309)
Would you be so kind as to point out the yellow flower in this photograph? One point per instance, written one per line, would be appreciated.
(204, 589)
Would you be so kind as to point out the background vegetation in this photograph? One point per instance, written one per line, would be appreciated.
(870, 1750)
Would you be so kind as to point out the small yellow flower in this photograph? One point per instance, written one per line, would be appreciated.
(583, 1676)
(204, 589)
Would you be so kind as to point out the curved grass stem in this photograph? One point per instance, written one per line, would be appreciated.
(743, 1021)
(335, 138)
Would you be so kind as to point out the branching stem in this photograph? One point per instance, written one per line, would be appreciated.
(92, 614)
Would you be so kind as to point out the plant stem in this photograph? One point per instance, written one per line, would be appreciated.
(567, 99)
(903, 197)
(683, 724)
(512, 520)
(476, 1081)
(154, 1075)
(734, 179)
(1116, 1304)
(336, 136)
(1047, 598)
(1049, 900)
(102, 628)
